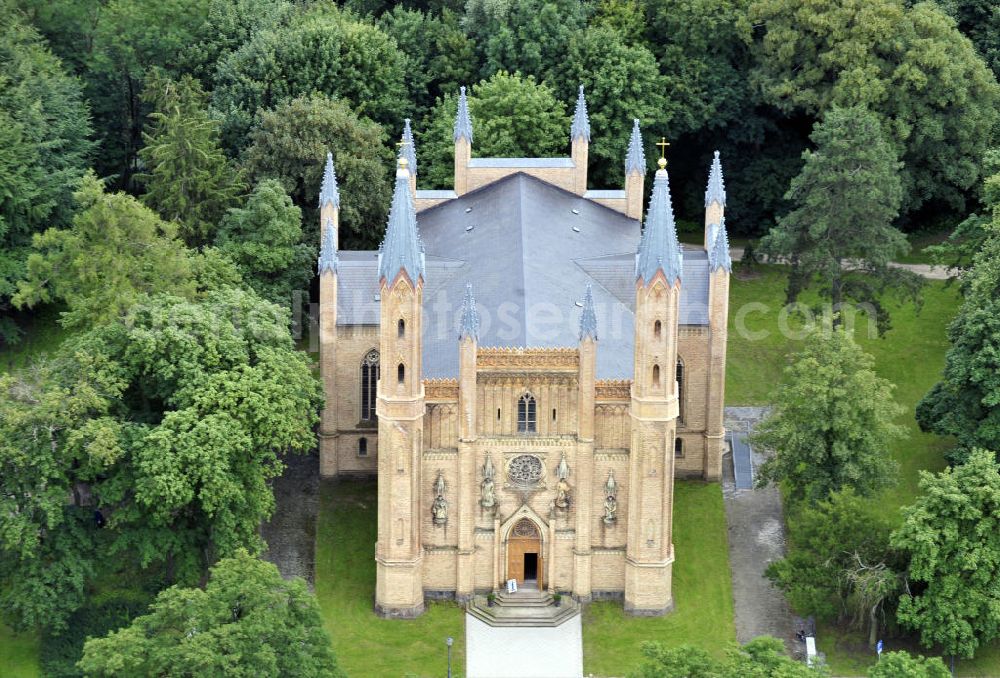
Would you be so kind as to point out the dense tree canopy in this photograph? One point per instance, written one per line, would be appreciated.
(512, 116)
(115, 252)
(44, 148)
(290, 145)
(170, 422)
(762, 657)
(952, 536)
(247, 621)
(935, 97)
(323, 52)
(832, 421)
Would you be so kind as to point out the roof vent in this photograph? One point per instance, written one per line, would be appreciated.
(469, 227)
(468, 209)
(580, 304)
(576, 229)
(377, 296)
(576, 211)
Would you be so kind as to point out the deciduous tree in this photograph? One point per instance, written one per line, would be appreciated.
(762, 657)
(902, 664)
(247, 621)
(952, 536)
(832, 421)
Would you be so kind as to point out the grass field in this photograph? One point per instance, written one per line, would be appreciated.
(369, 646)
(702, 592)
(18, 654)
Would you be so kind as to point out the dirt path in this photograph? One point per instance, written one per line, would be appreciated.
(291, 533)
(923, 270)
(756, 538)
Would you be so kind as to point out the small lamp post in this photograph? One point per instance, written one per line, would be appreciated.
(449, 642)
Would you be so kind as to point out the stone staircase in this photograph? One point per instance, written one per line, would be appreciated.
(527, 607)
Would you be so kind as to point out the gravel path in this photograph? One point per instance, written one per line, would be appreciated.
(756, 538)
(291, 532)
(923, 270)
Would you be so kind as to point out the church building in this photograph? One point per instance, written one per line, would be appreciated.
(526, 364)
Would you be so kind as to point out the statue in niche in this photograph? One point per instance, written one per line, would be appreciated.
(610, 500)
(488, 486)
(562, 485)
(439, 510)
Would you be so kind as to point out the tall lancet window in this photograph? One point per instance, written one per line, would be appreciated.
(526, 414)
(680, 389)
(369, 386)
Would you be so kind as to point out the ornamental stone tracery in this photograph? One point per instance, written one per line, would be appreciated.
(525, 470)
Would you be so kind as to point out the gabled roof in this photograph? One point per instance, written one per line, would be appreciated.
(529, 249)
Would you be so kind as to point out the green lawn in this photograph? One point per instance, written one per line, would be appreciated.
(345, 585)
(42, 334)
(702, 592)
(18, 654)
(910, 355)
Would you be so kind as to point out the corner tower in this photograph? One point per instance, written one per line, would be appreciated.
(400, 409)
(720, 266)
(463, 144)
(635, 173)
(658, 268)
(329, 220)
(715, 201)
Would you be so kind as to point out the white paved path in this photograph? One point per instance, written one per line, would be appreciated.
(523, 652)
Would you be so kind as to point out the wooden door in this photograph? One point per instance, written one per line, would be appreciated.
(524, 538)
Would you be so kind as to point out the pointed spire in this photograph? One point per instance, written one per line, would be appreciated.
(718, 255)
(635, 159)
(401, 249)
(581, 121)
(658, 247)
(470, 316)
(328, 250)
(463, 123)
(329, 191)
(407, 149)
(716, 191)
(588, 319)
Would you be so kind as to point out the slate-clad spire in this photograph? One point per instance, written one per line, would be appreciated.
(407, 149)
(469, 328)
(401, 250)
(635, 160)
(716, 191)
(463, 123)
(718, 255)
(581, 121)
(329, 192)
(328, 250)
(588, 319)
(658, 247)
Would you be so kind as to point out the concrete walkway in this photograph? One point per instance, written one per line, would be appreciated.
(756, 538)
(523, 652)
(923, 270)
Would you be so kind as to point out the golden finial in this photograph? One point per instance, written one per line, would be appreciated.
(402, 161)
(663, 143)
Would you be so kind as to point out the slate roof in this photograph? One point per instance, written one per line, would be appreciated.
(529, 258)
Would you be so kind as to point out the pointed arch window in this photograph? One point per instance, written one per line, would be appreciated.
(369, 385)
(527, 421)
(656, 376)
(680, 389)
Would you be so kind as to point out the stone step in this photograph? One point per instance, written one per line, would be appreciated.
(527, 615)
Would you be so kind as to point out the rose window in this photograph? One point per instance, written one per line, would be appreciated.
(525, 470)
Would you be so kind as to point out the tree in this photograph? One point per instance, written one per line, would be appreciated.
(264, 240)
(841, 563)
(189, 180)
(290, 145)
(523, 36)
(952, 535)
(966, 402)
(903, 665)
(512, 116)
(762, 657)
(322, 51)
(980, 20)
(247, 621)
(116, 251)
(439, 56)
(840, 233)
(621, 82)
(170, 422)
(832, 422)
(132, 39)
(44, 148)
(933, 95)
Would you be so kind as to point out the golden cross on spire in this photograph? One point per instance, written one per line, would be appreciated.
(402, 158)
(663, 143)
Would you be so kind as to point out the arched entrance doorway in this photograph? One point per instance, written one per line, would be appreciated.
(524, 554)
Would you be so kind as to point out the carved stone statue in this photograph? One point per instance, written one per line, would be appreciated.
(562, 486)
(439, 509)
(610, 500)
(489, 496)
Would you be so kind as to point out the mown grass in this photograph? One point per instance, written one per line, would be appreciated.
(702, 588)
(18, 654)
(365, 644)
